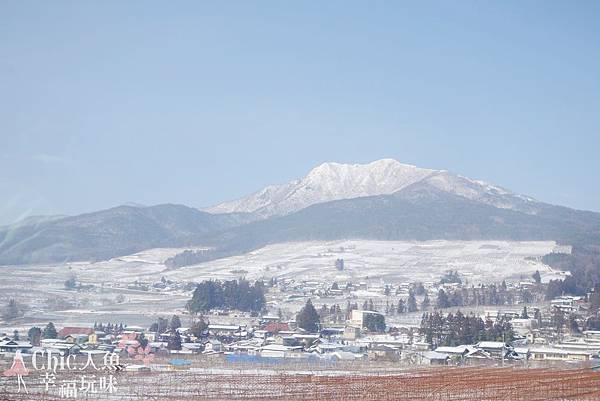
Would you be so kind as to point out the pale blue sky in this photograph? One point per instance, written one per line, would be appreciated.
(108, 102)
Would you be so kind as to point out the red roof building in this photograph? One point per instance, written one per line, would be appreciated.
(276, 327)
(66, 331)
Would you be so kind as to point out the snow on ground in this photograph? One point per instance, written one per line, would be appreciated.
(41, 288)
(391, 261)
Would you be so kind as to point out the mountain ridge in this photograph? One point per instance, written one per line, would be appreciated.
(335, 181)
(409, 203)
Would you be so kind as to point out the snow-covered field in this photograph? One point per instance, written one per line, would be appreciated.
(391, 261)
(41, 288)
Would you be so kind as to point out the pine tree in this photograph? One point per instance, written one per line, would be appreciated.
(308, 318)
(524, 314)
(199, 327)
(573, 325)
(411, 304)
(442, 299)
(34, 336)
(50, 331)
(537, 277)
(426, 303)
(175, 323)
(174, 342)
(142, 340)
(558, 320)
(401, 308)
(595, 298)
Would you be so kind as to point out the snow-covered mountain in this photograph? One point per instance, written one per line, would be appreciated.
(335, 181)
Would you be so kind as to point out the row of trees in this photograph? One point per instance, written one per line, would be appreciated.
(474, 296)
(456, 329)
(233, 294)
(109, 328)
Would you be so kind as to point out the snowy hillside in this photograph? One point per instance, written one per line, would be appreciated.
(334, 181)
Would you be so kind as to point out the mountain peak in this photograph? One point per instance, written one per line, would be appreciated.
(335, 181)
(326, 182)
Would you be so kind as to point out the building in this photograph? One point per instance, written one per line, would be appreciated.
(558, 354)
(280, 351)
(74, 331)
(357, 317)
(14, 346)
(523, 326)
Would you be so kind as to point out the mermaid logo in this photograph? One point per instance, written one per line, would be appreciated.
(18, 370)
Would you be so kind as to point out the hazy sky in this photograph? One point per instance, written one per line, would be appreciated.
(103, 103)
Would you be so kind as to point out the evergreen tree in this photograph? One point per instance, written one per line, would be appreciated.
(442, 299)
(411, 304)
(524, 314)
(50, 331)
(426, 303)
(34, 335)
(595, 298)
(401, 308)
(16, 335)
(419, 288)
(537, 277)
(374, 322)
(198, 327)
(175, 323)
(238, 294)
(143, 340)
(573, 325)
(174, 342)
(308, 318)
(558, 320)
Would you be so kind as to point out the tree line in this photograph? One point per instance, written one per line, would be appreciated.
(234, 294)
(456, 329)
(584, 264)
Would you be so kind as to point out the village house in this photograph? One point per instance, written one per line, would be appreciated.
(558, 354)
(212, 346)
(14, 346)
(74, 331)
(60, 346)
(281, 351)
(567, 303)
(456, 354)
(431, 358)
(383, 352)
(357, 317)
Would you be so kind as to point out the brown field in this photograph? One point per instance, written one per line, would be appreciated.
(443, 383)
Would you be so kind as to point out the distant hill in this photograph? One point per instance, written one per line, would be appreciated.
(108, 233)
